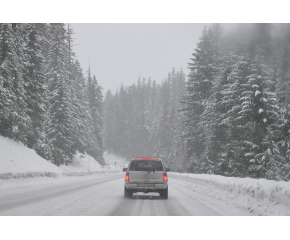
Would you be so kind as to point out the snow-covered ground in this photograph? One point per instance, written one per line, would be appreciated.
(82, 163)
(21, 167)
(255, 196)
(17, 161)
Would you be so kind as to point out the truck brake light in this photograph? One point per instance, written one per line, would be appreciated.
(127, 177)
(165, 179)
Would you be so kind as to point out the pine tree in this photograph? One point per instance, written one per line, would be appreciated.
(61, 128)
(8, 98)
(33, 75)
(81, 113)
(96, 124)
(232, 156)
(199, 89)
(283, 92)
(14, 119)
(259, 111)
(109, 110)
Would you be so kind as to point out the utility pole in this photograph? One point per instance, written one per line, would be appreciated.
(186, 162)
(185, 150)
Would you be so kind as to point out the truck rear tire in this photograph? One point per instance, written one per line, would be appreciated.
(164, 193)
(127, 193)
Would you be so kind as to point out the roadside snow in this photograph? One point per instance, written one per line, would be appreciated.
(82, 163)
(21, 167)
(258, 196)
(16, 158)
(18, 161)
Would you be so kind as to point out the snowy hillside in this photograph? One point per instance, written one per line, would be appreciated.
(16, 160)
(82, 163)
(86, 163)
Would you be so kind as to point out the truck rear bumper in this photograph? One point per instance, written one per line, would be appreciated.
(146, 187)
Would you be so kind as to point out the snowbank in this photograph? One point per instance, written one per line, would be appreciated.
(82, 163)
(18, 160)
(86, 164)
(256, 195)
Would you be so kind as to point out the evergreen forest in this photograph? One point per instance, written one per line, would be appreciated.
(46, 102)
(230, 115)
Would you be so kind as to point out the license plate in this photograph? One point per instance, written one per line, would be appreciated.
(144, 185)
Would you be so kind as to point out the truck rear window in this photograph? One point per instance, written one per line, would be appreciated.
(145, 165)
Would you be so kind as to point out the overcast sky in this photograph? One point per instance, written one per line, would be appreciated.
(120, 45)
(119, 52)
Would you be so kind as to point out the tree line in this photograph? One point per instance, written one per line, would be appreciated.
(142, 120)
(45, 100)
(237, 103)
(229, 117)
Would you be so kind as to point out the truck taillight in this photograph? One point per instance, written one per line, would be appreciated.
(127, 177)
(165, 177)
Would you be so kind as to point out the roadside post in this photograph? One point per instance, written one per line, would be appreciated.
(186, 163)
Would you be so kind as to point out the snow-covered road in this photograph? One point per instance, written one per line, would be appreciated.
(102, 195)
